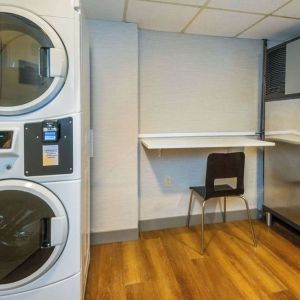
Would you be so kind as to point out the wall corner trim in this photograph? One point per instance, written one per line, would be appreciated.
(163, 223)
(180, 221)
(114, 236)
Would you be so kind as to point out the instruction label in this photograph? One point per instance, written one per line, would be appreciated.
(50, 155)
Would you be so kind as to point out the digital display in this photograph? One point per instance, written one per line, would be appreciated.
(50, 136)
(6, 139)
(51, 131)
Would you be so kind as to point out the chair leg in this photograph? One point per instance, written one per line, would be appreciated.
(202, 227)
(224, 216)
(250, 221)
(189, 211)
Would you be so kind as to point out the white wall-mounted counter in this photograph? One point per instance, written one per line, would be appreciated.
(285, 138)
(203, 142)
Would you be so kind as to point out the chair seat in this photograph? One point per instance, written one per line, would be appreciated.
(222, 190)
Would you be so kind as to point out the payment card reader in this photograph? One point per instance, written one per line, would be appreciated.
(48, 147)
(51, 131)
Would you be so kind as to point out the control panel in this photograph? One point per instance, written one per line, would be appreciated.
(48, 147)
(9, 153)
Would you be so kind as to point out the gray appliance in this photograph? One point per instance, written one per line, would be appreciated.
(282, 183)
(282, 162)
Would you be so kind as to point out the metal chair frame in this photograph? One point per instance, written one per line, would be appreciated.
(203, 203)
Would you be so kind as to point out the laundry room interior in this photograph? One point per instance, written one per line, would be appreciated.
(120, 119)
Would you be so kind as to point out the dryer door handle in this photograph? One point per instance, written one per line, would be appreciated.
(44, 62)
(58, 62)
(58, 231)
(54, 231)
(53, 62)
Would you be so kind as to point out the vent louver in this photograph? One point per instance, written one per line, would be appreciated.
(275, 73)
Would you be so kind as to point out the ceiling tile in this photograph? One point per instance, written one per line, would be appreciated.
(104, 9)
(159, 16)
(290, 10)
(184, 2)
(275, 28)
(259, 6)
(221, 23)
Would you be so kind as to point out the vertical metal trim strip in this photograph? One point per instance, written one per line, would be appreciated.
(263, 92)
(263, 115)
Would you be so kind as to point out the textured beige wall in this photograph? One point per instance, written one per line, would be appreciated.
(187, 84)
(283, 115)
(114, 77)
(192, 83)
(186, 168)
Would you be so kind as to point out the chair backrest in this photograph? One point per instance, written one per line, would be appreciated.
(225, 165)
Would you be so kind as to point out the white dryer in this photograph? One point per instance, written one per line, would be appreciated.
(40, 59)
(44, 211)
(38, 246)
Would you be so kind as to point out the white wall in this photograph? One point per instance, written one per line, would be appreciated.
(114, 77)
(193, 84)
(186, 83)
(186, 168)
(283, 115)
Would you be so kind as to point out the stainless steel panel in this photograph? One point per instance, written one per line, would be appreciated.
(282, 181)
(292, 75)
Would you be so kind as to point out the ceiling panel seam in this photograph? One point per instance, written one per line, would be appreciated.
(237, 11)
(195, 16)
(125, 10)
(279, 16)
(205, 6)
(223, 9)
(260, 20)
(172, 3)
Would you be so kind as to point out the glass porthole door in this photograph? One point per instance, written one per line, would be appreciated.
(33, 231)
(33, 62)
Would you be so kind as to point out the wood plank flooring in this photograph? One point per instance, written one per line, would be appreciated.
(167, 265)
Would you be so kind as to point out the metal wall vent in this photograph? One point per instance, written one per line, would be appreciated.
(275, 73)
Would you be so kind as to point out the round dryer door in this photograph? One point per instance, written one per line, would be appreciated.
(33, 231)
(33, 62)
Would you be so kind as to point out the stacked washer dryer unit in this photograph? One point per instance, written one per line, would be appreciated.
(44, 151)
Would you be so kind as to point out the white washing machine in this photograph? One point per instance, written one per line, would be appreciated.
(44, 150)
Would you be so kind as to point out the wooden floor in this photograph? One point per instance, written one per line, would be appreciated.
(166, 264)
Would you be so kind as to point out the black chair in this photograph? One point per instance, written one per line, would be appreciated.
(221, 166)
